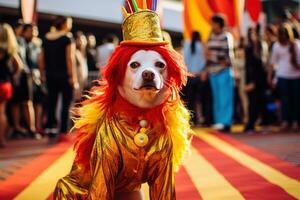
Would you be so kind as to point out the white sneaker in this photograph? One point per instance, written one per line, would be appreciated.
(218, 126)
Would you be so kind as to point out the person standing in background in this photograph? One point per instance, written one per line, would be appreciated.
(10, 63)
(105, 50)
(270, 113)
(194, 59)
(18, 28)
(256, 77)
(220, 55)
(22, 92)
(81, 63)
(241, 77)
(91, 52)
(58, 68)
(33, 50)
(285, 59)
(270, 35)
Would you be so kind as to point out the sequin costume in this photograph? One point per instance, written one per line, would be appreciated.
(118, 165)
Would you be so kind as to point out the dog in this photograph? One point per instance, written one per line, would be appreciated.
(133, 128)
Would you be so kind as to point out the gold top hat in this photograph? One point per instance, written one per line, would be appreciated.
(142, 27)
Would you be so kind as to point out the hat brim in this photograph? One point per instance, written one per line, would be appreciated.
(135, 43)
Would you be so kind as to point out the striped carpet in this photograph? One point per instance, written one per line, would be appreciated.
(217, 168)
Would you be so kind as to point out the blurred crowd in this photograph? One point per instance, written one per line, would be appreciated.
(40, 79)
(252, 80)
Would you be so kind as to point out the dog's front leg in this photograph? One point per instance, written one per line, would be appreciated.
(104, 169)
(162, 186)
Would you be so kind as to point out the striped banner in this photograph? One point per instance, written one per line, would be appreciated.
(218, 167)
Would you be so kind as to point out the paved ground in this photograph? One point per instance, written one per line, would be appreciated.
(283, 145)
(19, 152)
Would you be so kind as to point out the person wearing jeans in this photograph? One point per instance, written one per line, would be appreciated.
(219, 65)
(222, 84)
(285, 58)
(289, 91)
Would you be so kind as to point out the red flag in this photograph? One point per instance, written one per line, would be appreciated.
(254, 8)
(225, 7)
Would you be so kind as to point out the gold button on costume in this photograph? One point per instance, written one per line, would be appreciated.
(141, 138)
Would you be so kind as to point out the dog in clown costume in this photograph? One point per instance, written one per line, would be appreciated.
(133, 128)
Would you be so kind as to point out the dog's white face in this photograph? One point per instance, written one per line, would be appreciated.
(144, 81)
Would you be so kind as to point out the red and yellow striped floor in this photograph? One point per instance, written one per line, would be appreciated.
(218, 168)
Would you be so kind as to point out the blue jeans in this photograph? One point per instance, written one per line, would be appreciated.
(289, 91)
(222, 85)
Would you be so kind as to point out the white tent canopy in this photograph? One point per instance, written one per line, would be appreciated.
(102, 10)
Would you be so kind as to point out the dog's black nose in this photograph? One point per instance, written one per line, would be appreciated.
(148, 75)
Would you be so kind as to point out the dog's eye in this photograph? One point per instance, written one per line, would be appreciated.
(160, 64)
(134, 65)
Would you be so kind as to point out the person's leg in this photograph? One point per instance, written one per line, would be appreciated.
(15, 112)
(252, 111)
(16, 120)
(284, 98)
(67, 96)
(265, 113)
(243, 94)
(28, 105)
(205, 101)
(3, 123)
(248, 126)
(208, 104)
(194, 99)
(201, 101)
(226, 97)
(53, 91)
(38, 107)
(29, 115)
(188, 94)
(213, 78)
(244, 102)
(295, 102)
(236, 106)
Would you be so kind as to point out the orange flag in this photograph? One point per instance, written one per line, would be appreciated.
(197, 14)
